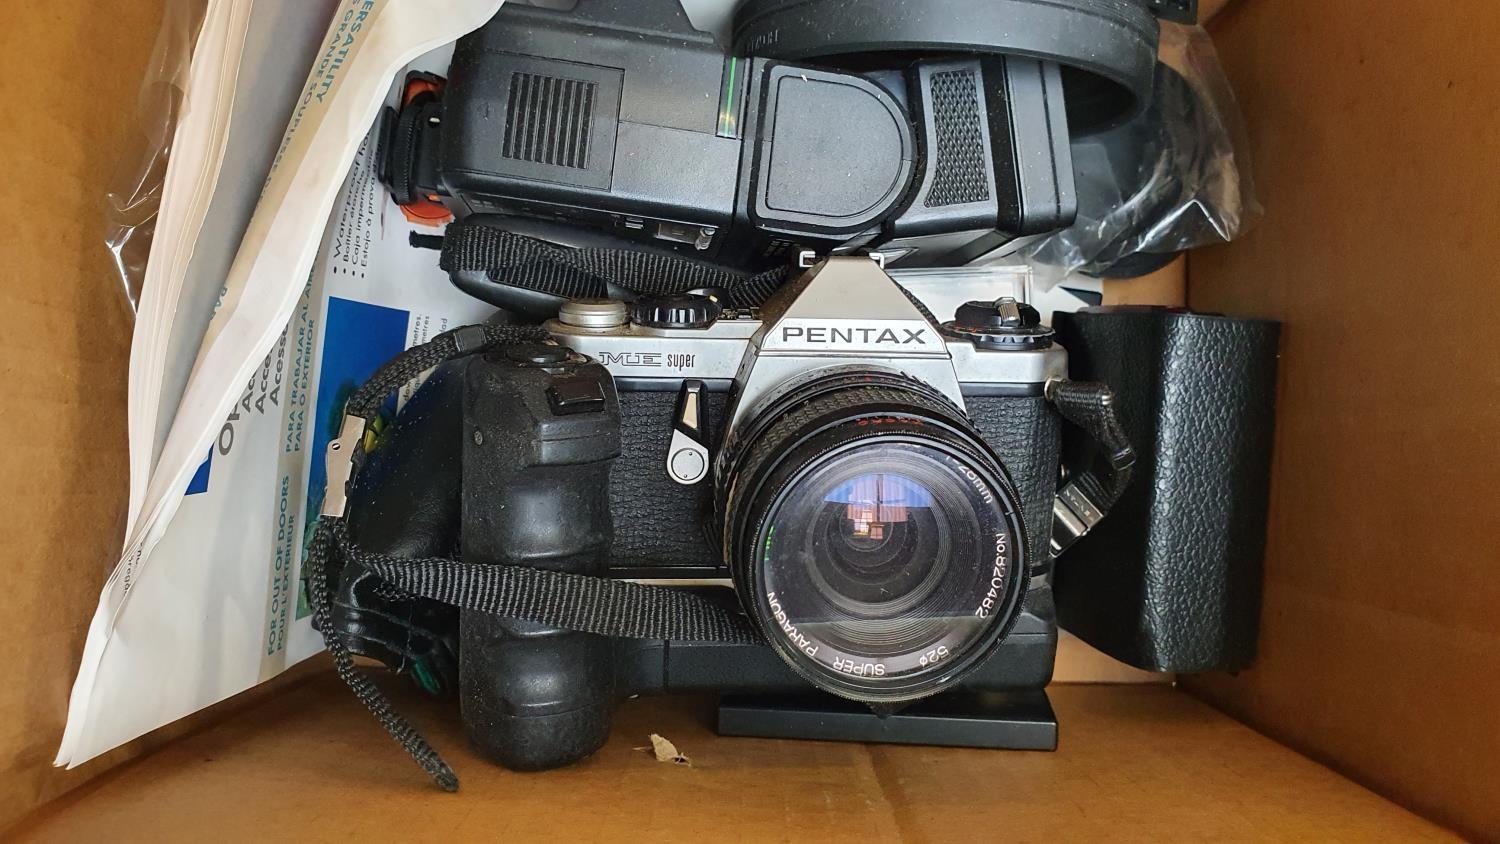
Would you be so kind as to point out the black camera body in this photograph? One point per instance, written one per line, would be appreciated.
(881, 494)
(620, 118)
(584, 491)
(649, 443)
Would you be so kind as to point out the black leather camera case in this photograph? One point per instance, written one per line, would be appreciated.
(1171, 581)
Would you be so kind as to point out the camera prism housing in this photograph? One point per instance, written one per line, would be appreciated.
(622, 119)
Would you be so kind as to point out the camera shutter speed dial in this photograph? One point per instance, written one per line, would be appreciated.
(687, 456)
(683, 310)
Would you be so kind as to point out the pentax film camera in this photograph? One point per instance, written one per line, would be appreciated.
(935, 133)
(879, 491)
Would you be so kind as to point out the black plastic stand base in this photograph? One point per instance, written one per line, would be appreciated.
(999, 721)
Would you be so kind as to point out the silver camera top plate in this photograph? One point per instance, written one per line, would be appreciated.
(843, 311)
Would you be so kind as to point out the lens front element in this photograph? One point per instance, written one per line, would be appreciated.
(881, 557)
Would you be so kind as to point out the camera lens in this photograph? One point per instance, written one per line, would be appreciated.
(874, 537)
(866, 556)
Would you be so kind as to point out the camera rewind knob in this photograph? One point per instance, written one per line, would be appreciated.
(1002, 324)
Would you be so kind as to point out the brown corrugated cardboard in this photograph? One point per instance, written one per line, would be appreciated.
(1208, 9)
(1377, 151)
(1375, 139)
(70, 72)
(74, 69)
(1143, 763)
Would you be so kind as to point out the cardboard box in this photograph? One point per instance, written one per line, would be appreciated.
(1375, 138)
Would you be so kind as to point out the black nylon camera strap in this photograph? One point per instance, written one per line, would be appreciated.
(555, 599)
(574, 602)
(532, 264)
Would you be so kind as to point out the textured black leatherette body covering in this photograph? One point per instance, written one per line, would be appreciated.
(1171, 579)
(1025, 434)
(659, 523)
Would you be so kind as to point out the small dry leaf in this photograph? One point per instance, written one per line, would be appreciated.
(666, 751)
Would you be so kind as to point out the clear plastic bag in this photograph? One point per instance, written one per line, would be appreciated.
(1176, 177)
(135, 191)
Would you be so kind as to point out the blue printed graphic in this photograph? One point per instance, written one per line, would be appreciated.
(199, 482)
(357, 339)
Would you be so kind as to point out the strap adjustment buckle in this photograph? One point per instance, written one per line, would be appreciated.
(469, 339)
(340, 461)
(1074, 514)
